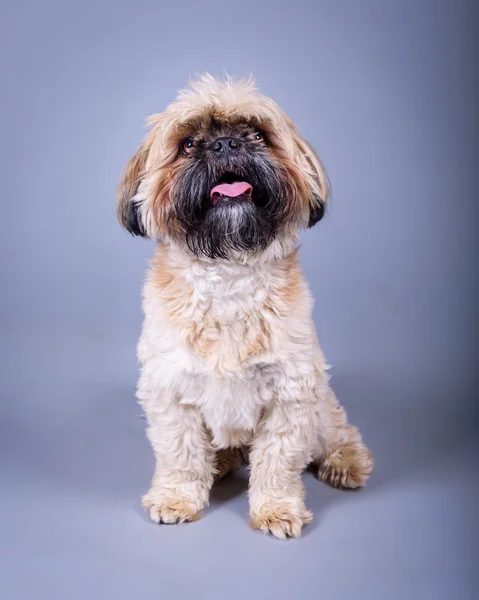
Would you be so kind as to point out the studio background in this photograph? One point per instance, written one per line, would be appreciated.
(385, 91)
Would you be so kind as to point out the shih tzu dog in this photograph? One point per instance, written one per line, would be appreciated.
(231, 369)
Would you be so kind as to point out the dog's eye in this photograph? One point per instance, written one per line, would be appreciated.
(259, 136)
(187, 145)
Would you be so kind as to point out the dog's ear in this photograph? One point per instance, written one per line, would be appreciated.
(316, 210)
(128, 208)
(316, 179)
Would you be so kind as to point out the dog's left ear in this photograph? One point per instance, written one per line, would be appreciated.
(316, 179)
(127, 207)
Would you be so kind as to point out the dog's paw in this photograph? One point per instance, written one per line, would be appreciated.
(283, 519)
(169, 506)
(347, 467)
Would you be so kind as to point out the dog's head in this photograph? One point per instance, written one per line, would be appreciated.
(222, 171)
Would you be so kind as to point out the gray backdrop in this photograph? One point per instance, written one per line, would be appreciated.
(385, 91)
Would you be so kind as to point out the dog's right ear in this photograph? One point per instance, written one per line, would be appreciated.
(316, 177)
(128, 208)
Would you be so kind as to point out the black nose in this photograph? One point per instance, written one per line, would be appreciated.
(223, 145)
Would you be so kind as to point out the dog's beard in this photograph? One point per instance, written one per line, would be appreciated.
(240, 224)
(234, 225)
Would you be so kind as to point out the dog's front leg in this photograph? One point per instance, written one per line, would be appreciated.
(184, 462)
(281, 450)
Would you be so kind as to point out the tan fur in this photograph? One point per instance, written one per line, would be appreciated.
(230, 362)
(204, 332)
(228, 460)
(282, 520)
(169, 510)
(349, 466)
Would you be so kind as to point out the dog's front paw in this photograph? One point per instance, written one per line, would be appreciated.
(171, 506)
(350, 466)
(282, 518)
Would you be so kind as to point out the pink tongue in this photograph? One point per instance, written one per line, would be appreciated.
(231, 190)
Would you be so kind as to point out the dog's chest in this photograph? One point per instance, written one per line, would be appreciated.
(232, 407)
(229, 344)
(228, 334)
(225, 322)
(214, 336)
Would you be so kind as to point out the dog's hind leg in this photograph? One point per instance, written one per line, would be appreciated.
(228, 460)
(342, 459)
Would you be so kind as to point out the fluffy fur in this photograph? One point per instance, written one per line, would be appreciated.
(231, 369)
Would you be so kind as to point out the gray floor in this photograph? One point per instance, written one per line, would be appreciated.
(386, 93)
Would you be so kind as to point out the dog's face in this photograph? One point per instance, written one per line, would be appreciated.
(222, 171)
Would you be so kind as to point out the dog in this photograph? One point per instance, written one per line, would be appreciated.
(231, 369)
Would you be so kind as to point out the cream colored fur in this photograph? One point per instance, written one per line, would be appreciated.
(203, 390)
(230, 360)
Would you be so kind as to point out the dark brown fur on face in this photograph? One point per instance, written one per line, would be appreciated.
(166, 188)
(239, 224)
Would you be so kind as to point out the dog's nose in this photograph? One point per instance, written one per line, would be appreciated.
(224, 144)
